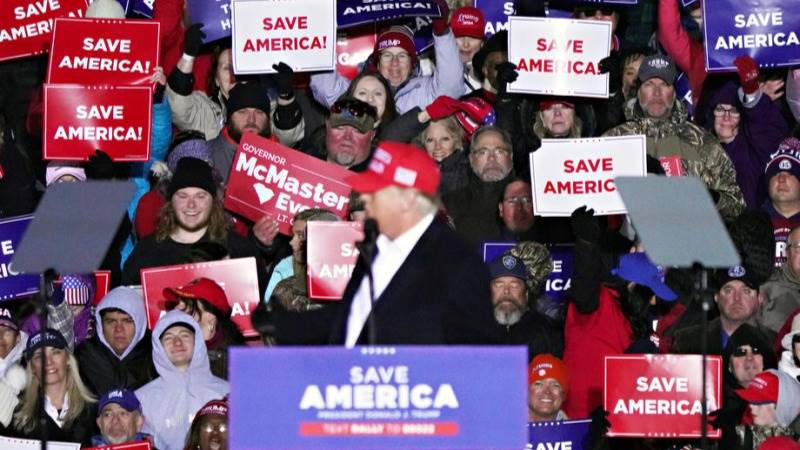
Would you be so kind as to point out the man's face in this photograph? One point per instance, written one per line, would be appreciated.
(118, 329)
(509, 298)
(516, 208)
(784, 188)
(764, 415)
(746, 364)
(178, 343)
(489, 67)
(558, 119)
(793, 252)
(491, 157)
(737, 301)
(248, 120)
(347, 146)
(192, 207)
(119, 425)
(544, 399)
(394, 64)
(656, 98)
(8, 339)
(467, 47)
(385, 206)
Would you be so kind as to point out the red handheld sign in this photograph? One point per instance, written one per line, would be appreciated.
(238, 277)
(353, 47)
(104, 51)
(660, 395)
(128, 446)
(269, 178)
(80, 119)
(331, 257)
(103, 280)
(26, 26)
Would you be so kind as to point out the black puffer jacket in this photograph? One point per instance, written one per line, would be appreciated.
(102, 371)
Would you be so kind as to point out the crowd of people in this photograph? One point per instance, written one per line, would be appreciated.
(437, 149)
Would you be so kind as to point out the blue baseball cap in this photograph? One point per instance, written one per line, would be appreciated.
(123, 397)
(637, 268)
(45, 338)
(507, 266)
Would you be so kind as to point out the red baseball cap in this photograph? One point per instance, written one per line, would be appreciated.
(199, 288)
(549, 102)
(468, 21)
(763, 389)
(397, 164)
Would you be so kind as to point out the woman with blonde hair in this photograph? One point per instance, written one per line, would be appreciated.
(68, 404)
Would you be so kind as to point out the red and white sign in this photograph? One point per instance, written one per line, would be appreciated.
(331, 257)
(104, 51)
(672, 165)
(238, 277)
(129, 446)
(353, 47)
(296, 32)
(80, 119)
(269, 178)
(660, 395)
(102, 279)
(558, 56)
(26, 26)
(569, 173)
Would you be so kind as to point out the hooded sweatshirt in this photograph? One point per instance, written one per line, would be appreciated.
(101, 368)
(12, 379)
(170, 401)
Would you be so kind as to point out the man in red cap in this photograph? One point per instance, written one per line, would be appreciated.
(774, 398)
(429, 287)
(548, 383)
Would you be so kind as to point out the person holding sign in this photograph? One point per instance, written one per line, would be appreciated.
(468, 25)
(662, 119)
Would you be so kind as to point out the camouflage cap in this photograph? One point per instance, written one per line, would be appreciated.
(537, 261)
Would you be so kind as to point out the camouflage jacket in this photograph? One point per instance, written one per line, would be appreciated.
(759, 434)
(700, 152)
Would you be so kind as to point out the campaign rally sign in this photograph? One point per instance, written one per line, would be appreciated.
(422, 29)
(353, 47)
(143, 8)
(559, 56)
(80, 119)
(35, 444)
(687, 3)
(561, 435)
(433, 397)
(269, 178)
(266, 32)
(215, 15)
(350, 13)
(102, 279)
(569, 173)
(331, 256)
(238, 277)
(496, 14)
(764, 29)
(493, 250)
(104, 51)
(26, 25)
(141, 445)
(12, 283)
(660, 395)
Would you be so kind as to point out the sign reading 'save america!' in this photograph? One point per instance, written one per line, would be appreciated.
(27, 25)
(103, 51)
(269, 178)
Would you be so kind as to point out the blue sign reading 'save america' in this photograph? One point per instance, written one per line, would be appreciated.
(562, 435)
(378, 398)
(12, 284)
(350, 13)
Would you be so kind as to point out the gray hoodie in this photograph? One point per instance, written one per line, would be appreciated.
(130, 301)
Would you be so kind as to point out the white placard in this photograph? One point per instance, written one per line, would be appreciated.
(559, 56)
(569, 173)
(299, 33)
(35, 444)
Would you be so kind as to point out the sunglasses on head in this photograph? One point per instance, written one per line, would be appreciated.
(355, 107)
(743, 351)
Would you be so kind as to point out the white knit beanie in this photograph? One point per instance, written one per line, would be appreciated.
(105, 9)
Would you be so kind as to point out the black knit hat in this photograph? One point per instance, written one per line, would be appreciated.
(192, 172)
(497, 43)
(247, 94)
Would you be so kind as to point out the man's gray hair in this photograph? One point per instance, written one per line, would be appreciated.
(491, 129)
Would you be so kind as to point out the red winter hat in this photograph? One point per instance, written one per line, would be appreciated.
(548, 366)
(397, 164)
(396, 36)
(468, 21)
(199, 288)
(215, 407)
(475, 113)
(763, 389)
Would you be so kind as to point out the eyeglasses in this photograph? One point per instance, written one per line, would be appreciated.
(356, 108)
(401, 57)
(721, 111)
(219, 428)
(744, 351)
(496, 152)
(524, 201)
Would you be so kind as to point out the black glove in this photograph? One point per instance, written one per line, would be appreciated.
(724, 418)
(506, 73)
(585, 225)
(284, 78)
(714, 195)
(611, 66)
(158, 95)
(654, 166)
(598, 428)
(100, 166)
(193, 39)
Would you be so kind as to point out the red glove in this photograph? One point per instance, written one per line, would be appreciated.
(442, 107)
(440, 24)
(748, 73)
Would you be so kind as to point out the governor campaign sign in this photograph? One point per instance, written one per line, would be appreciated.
(269, 178)
(237, 277)
(215, 15)
(569, 173)
(418, 398)
(331, 257)
(26, 26)
(266, 32)
(558, 56)
(767, 30)
(104, 51)
(351, 13)
(558, 435)
(12, 283)
(660, 395)
(80, 119)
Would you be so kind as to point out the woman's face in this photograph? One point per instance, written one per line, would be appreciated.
(206, 319)
(298, 240)
(726, 122)
(439, 142)
(213, 433)
(8, 340)
(467, 47)
(224, 76)
(558, 119)
(371, 91)
(629, 76)
(55, 365)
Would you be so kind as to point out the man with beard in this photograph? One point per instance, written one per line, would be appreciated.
(473, 207)
(119, 419)
(517, 321)
(193, 215)
(349, 132)
(248, 112)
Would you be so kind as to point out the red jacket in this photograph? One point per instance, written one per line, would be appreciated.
(688, 54)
